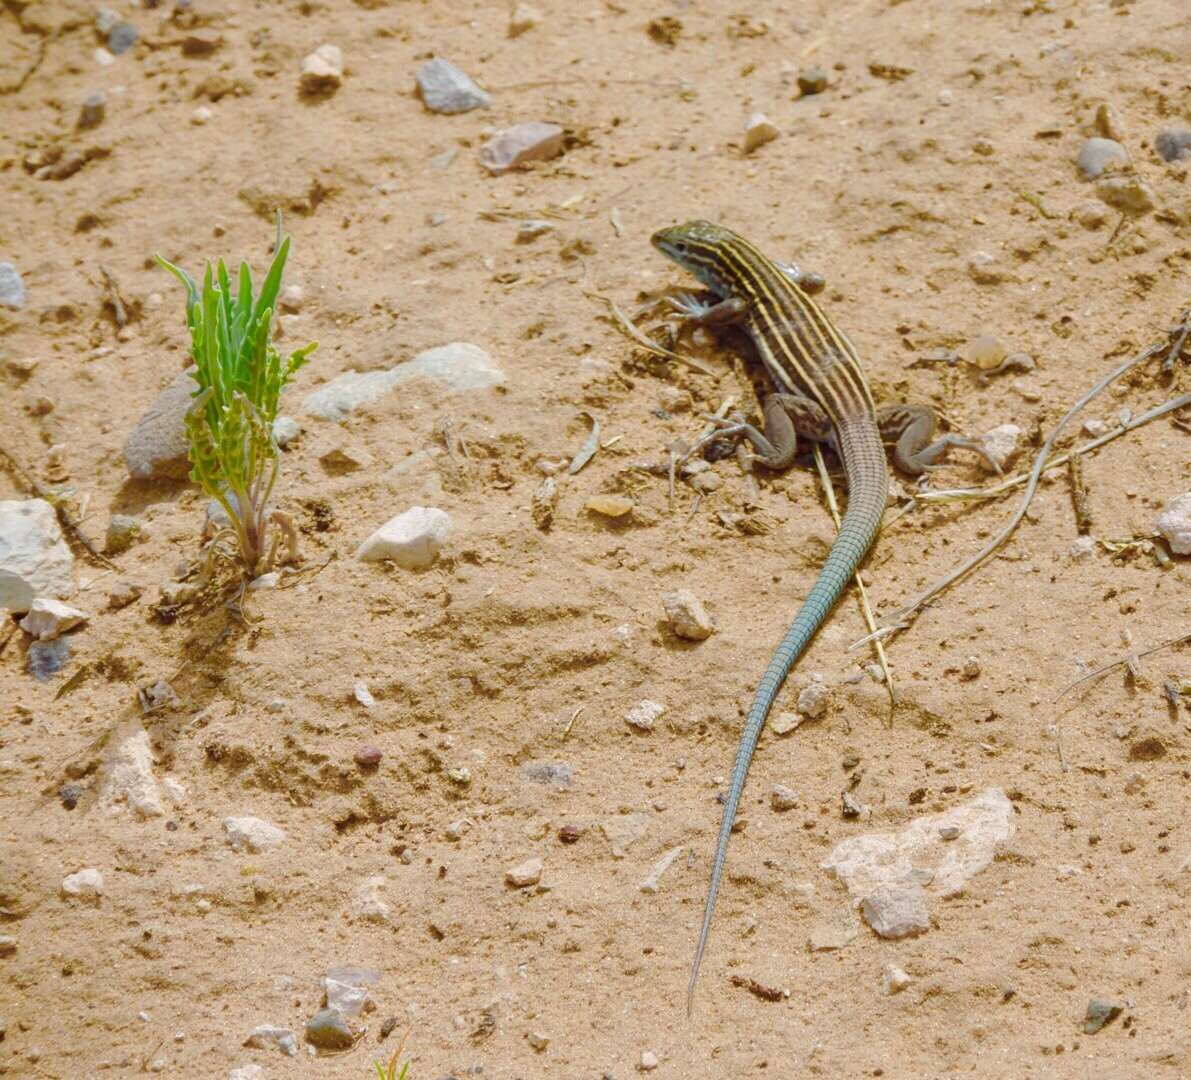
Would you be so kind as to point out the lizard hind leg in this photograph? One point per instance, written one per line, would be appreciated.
(787, 416)
(911, 429)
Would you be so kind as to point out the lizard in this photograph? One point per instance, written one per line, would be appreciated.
(821, 394)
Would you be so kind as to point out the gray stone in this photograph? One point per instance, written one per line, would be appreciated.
(1174, 145)
(1098, 156)
(521, 144)
(12, 288)
(46, 658)
(1098, 1014)
(446, 89)
(458, 366)
(92, 112)
(157, 448)
(554, 774)
(121, 38)
(285, 430)
(896, 911)
(265, 1035)
(123, 532)
(328, 1030)
(34, 558)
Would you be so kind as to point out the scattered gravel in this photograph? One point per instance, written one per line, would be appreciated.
(445, 89)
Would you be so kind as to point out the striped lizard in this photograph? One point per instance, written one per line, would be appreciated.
(822, 395)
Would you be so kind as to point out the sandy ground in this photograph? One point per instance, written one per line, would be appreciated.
(947, 129)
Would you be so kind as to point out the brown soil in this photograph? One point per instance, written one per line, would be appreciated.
(483, 661)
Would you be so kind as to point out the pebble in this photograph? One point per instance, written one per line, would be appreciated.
(1128, 193)
(459, 366)
(121, 38)
(8, 945)
(610, 506)
(986, 352)
(48, 618)
(649, 1060)
(949, 832)
(1174, 523)
(983, 269)
(92, 111)
(1174, 144)
(687, 616)
(252, 833)
(368, 757)
(544, 502)
(1100, 1013)
(412, 540)
(346, 990)
(896, 911)
(157, 447)
(971, 668)
(126, 778)
(812, 699)
(44, 659)
(1098, 156)
(1082, 548)
(624, 830)
(553, 774)
(782, 798)
(247, 1072)
(201, 115)
(523, 19)
(570, 834)
(1001, 444)
(1095, 428)
(537, 1040)
(446, 89)
(758, 131)
(1108, 123)
(785, 722)
(123, 531)
(644, 715)
(328, 1030)
(367, 902)
(266, 1035)
(285, 430)
(322, 70)
(345, 455)
(12, 288)
(86, 884)
(850, 807)
(653, 881)
(894, 980)
(524, 874)
(530, 230)
(812, 81)
(521, 144)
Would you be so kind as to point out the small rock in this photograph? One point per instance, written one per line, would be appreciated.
(201, 115)
(1127, 193)
(1001, 444)
(812, 81)
(983, 269)
(345, 455)
(174, 789)
(322, 70)
(367, 903)
(687, 616)
(126, 778)
(328, 1030)
(157, 696)
(247, 1072)
(544, 502)
(524, 18)
(894, 980)
(363, 695)
(652, 883)
(44, 659)
(8, 945)
(896, 911)
(986, 352)
(1108, 123)
(292, 298)
(1082, 548)
(346, 990)
(849, 807)
(971, 668)
(252, 834)
(86, 884)
(157, 448)
(649, 1060)
(524, 874)
(49, 618)
(530, 230)
(537, 1040)
(446, 89)
(285, 430)
(949, 832)
(1098, 156)
(1091, 215)
(521, 144)
(34, 558)
(644, 715)
(758, 131)
(782, 798)
(624, 830)
(266, 1035)
(785, 722)
(457, 830)
(1099, 1013)
(1174, 144)
(812, 700)
(92, 111)
(554, 774)
(123, 531)
(265, 581)
(1174, 523)
(12, 288)
(368, 757)
(70, 795)
(121, 38)
(412, 540)
(610, 506)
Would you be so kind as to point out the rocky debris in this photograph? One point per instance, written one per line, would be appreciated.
(1082, 548)
(1098, 156)
(812, 81)
(782, 798)
(34, 558)
(266, 1035)
(644, 715)
(174, 789)
(653, 881)
(156, 697)
(285, 431)
(850, 807)
(894, 980)
(863, 863)
(521, 144)
(322, 71)
(1099, 1014)
(649, 1061)
(70, 795)
(813, 698)
(201, 115)
(446, 89)
(1128, 193)
(458, 366)
(367, 903)
(412, 540)
(523, 18)
(12, 288)
(556, 774)
(252, 834)
(92, 111)
(368, 757)
(758, 131)
(687, 616)
(610, 506)
(785, 722)
(327, 1029)
(1174, 523)
(86, 884)
(971, 668)
(524, 874)
(126, 779)
(123, 531)
(1001, 444)
(48, 618)
(1174, 144)
(45, 659)
(623, 831)
(157, 448)
(896, 911)
(247, 1072)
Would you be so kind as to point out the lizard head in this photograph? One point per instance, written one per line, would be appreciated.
(700, 247)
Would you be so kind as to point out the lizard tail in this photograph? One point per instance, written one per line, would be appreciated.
(868, 486)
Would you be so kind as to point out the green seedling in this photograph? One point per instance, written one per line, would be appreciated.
(389, 1071)
(240, 375)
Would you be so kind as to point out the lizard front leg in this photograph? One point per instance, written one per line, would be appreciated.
(910, 429)
(787, 416)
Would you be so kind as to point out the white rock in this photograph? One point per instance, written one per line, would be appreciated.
(444, 88)
(8, 945)
(87, 884)
(367, 903)
(896, 911)
(521, 144)
(1174, 523)
(285, 430)
(523, 18)
(199, 117)
(785, 722)
(865, 862)
(363, 695)
(687, 616)
(293, 297)
(266, 1035)
(126, 778)
(266, 581)
(1001, 444)
(894, 980)
(654, 880)
(782, 798)
(174, 789)
(1082, 547)
(247, 1072)
(412, 540)
(758, 131)
(322, 70)
(649, 1060)
(34, 558)
(346, 990)
(12, 288)
(458, 366)
(525, 873)
(252, 833)
(48, 618)
(812, 699)
(644, 714)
